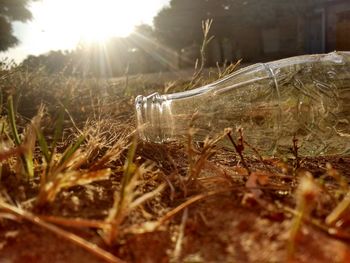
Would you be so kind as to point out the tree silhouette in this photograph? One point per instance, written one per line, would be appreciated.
(178, 25)
(10, 11)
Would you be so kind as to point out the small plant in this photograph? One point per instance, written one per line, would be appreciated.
(65, 170)
(198, 158)
(127, 198)
(206, 25)
(227, 69)
(26, 165)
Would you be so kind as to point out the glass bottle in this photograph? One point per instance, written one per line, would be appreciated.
(305, 96)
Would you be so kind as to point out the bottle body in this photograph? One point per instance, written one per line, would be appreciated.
(307, 97)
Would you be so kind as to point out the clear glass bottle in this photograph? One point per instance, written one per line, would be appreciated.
(306, 96)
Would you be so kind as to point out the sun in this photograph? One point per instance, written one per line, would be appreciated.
(62, 24)
(98, 20)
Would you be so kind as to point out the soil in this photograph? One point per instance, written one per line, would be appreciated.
(225, 227)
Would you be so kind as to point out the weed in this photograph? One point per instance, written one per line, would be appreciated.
(206, 25)
(198, 158)
(126, 199)
(29, 140)
(65, 172)
(227, 69)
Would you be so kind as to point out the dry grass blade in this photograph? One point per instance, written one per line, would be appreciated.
(112, 154)
(125, 200)
(69, 179)
(92, 248)
(197, 159)
(74, 222)
(142, 199)
(339, 210)
(227, 69)
(206, 25)
(306, 194)
(189, 202)
(154, 225)
(29, 141)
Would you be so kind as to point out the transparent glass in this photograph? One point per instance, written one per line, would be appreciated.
(306, 96)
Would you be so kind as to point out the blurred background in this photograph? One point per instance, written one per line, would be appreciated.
(111, 38)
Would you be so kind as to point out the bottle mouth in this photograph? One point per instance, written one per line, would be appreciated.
(153, 118)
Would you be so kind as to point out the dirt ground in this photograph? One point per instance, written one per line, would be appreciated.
(224, 227)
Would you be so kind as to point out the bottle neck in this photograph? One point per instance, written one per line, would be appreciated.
(154, 118)
(161, 118)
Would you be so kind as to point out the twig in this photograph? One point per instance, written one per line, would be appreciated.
(147, 196)
(239, 149)
(70, 117)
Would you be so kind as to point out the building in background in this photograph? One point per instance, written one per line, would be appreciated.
(324, 28)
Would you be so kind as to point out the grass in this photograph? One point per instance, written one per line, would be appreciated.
(61, 155)
(79, 165)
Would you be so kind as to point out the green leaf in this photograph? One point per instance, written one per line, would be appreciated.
(71, 150)
(129, 167)
(12, 121)
(43, 145)
(58, 131)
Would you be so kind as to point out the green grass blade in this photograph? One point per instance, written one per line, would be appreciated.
(1, 100)
(58, 131)
(27, 158)
(43, 146)
(2, 130)
(12, 121)
(71, 150)
(29, 164)
(129, 167)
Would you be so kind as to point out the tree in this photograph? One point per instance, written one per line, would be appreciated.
(10, 11)
(178, 25)
(239, 26)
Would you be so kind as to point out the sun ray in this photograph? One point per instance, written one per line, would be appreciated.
(62, 24)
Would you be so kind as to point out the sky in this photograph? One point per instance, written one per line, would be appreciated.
(62, 24)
